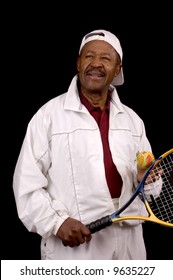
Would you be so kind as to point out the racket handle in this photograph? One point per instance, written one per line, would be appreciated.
(99, 224)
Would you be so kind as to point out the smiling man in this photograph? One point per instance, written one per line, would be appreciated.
(78, 162)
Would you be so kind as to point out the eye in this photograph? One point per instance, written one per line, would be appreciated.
(106, 58)
(89, 56)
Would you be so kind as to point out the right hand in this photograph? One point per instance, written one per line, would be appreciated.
(73, 233)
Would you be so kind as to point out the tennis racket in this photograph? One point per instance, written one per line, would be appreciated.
(157, 181)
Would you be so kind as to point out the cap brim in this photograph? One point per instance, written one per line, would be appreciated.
(119, 79)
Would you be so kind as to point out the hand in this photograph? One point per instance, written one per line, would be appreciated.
(140, 173)
(154, 175)
(73, 233)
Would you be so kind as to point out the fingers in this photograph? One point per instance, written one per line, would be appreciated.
(76, 241)
(72, 243)
(154, 175)
(73, 233)
(86, 234)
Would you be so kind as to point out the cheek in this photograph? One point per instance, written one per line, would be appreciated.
(82, 67)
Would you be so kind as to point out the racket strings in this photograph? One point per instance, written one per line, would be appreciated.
(161, 197)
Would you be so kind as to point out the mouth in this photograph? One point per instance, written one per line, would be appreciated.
(95, 75)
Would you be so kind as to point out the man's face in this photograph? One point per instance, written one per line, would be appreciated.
(97, 65)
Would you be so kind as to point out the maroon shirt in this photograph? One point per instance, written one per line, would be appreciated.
(113, 178)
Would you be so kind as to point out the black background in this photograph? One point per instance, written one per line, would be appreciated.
(40, 47)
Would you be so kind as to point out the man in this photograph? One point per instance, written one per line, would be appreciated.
(78, 162)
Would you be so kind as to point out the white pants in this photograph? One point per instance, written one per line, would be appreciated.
(116, 242)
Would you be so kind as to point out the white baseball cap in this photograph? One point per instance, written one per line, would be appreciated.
(110, 38)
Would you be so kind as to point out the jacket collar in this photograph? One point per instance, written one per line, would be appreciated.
(73, 102)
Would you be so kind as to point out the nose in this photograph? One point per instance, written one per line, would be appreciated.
(96, 61)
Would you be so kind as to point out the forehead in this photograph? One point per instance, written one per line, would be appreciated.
(98, 45)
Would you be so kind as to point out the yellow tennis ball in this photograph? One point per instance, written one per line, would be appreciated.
(145, 159)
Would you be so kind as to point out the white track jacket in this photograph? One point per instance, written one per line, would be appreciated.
(60, 171)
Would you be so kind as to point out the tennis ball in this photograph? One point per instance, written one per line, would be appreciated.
(145, 159)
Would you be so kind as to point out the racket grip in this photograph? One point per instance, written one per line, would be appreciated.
(99, 224)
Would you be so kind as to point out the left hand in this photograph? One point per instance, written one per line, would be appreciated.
(140, 173)
(154, 174)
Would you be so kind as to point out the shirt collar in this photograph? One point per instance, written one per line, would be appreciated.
(89, 106)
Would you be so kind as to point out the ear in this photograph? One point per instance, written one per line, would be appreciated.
(118, 69)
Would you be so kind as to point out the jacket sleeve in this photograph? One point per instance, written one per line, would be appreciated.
(36, 209)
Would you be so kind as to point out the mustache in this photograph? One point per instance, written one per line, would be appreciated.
(95, 71)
